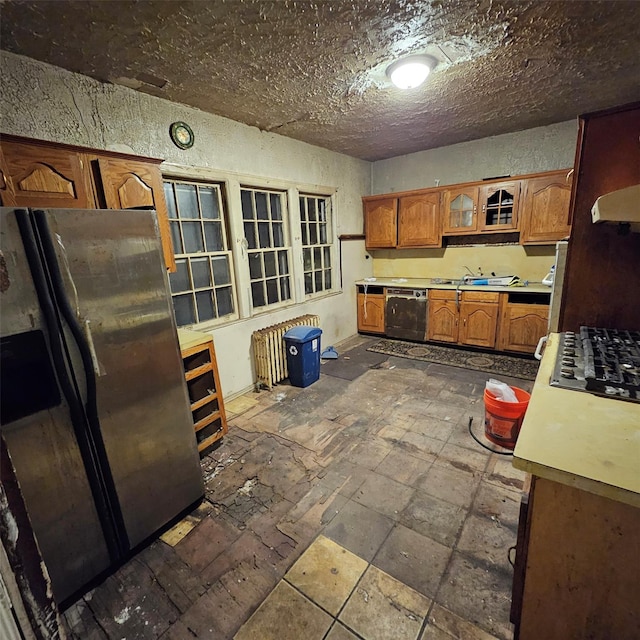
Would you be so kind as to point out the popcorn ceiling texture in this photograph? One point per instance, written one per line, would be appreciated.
(314, 71)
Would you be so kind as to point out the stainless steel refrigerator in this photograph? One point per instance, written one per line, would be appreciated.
(94, 407)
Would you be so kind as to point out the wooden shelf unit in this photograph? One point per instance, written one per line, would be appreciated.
(203, 385)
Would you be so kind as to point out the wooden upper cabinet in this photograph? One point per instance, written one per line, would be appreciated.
(545, 209)
(43, 176)
(128, 184)
(381, 223)
(459, 211)
(419, 221)
(498, 206)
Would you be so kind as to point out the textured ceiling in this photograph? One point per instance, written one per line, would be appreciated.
(314, 70)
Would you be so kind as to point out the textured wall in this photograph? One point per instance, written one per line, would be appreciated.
(530, 151)
(41, 101)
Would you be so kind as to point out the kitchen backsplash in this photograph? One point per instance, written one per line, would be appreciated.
(532, 263)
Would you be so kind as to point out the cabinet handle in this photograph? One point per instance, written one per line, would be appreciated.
(569, 175)
(464, 322)
(3, 184)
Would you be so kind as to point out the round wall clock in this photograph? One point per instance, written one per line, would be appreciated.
(182, 135)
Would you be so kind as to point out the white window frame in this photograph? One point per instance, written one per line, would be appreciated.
(231, 184)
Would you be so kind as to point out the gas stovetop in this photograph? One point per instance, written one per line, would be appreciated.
(605, 362)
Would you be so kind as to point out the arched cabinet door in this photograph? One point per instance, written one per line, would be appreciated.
(129, 184)
(43, 176)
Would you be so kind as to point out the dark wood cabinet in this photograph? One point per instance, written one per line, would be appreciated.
(522, 325)
(602, 272)
(37, 173)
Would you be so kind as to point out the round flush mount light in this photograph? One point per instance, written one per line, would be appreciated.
(412, 71)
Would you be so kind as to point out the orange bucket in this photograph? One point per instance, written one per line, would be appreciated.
(502, 420)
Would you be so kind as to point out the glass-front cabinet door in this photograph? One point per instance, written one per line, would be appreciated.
(499, 206)
(460, 211)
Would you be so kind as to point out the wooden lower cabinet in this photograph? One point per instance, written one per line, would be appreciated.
(471, 321)
(576, 567)
(203, 386)
(522, 325)
(371, 311)
(442, 323)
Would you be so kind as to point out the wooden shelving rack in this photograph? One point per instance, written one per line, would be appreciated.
(203, 384)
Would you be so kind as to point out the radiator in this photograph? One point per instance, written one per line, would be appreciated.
(269, 351)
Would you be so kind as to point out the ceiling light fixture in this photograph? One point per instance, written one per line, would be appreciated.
(412, 71)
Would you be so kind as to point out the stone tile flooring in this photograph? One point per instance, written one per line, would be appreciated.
(381, 471)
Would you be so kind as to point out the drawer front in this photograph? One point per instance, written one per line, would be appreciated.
(480, 296)
(442, 294)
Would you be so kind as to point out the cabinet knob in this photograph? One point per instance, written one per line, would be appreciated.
(3, 184)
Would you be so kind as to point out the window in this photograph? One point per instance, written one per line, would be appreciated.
(202, 286)
(317, 239)
(267, 246)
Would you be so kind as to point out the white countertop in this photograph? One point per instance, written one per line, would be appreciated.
(427, 283)
(579, 439)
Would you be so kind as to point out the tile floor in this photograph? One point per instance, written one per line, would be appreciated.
(350, 509)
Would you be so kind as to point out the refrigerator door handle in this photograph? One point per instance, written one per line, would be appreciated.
(91, 405)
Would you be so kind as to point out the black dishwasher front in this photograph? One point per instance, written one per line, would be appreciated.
(406, 314)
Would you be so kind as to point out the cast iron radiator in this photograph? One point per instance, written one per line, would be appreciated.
(269, 352)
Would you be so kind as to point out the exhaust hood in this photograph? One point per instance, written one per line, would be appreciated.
(619, 207)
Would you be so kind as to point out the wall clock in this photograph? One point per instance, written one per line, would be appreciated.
(182, 135)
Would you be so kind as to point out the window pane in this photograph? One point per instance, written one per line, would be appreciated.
(257, 294)
(327, 256)
(261, 206)
(247, 208)
(221, 271)
(213, 236)
(263, 233)
(255, 266)
(305, 233)
(313, 233)
(187, 200)
(285, 289)
(192, 237)
(183, 306)
(176, 240)
(311, 204)
(201, 274)
(278, 236)
(225, 301)
(317, 257)
(270, 264)
(327, 279)
(250, 235)
(272, 291)
(179, 280)
(209, 203)
(205, 305)
(170, 199)
(303, 211)
(306, 259)
(322, 210)
(317, 278)
(323, 233)
(283, 262)
(276, 207)
(308, 283)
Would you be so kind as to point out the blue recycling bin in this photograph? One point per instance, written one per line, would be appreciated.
(303, 355)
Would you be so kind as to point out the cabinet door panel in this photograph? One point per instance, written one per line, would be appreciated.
(41, 176)
(478, 323)
(443, 321)
(371, 313)
(128, 184)
(419, 221)
(460, 211)
(381, 224)
(522, 327)
(545, 210)
(499, 206)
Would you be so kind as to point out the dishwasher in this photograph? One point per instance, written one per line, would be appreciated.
(406, 314)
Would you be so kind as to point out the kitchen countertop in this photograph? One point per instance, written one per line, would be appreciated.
(427, 283)
(581, 440)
